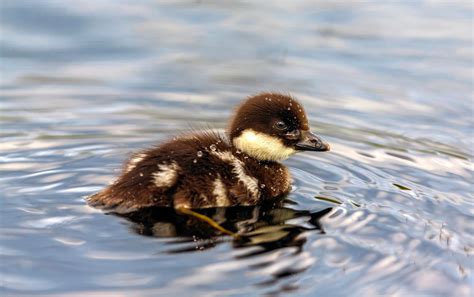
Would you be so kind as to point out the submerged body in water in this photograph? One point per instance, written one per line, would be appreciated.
(264, 225)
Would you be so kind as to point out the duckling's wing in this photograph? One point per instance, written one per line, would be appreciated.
(151, 177)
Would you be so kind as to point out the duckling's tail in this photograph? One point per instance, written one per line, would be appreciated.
(104, 201)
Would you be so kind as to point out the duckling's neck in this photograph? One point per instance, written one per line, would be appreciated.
(261, 146)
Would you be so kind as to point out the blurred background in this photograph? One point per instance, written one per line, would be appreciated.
(388, 84)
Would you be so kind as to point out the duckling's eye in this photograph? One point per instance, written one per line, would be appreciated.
(280, 125)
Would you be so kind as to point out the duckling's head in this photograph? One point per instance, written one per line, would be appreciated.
(272, 127)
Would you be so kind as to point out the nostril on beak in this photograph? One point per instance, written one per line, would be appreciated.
(311, 142)
(316, 143)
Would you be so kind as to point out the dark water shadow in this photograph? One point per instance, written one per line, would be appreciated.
(261, 229)
(265, 226)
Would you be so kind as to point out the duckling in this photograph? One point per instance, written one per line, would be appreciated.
(208, 169)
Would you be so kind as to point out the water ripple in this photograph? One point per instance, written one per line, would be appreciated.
(387, 212)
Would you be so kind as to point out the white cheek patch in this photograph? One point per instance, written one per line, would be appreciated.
(134, 161)
(166, 175)
(262, 146)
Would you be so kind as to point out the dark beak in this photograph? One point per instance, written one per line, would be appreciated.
(311, 142)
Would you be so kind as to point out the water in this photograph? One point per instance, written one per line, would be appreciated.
(389, 85)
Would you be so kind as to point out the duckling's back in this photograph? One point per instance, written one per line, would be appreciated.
(195, 171)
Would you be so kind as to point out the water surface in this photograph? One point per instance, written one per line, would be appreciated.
(387, 212)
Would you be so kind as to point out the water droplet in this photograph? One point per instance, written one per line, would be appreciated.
(289, 108)
(141, 174)
(213, 147)
(262, 186)
(291, 104)
(238, 152)
(199, 154)
(246, 157)
(210, 173)
(195, 161)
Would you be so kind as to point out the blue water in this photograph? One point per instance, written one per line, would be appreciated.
(388, 85)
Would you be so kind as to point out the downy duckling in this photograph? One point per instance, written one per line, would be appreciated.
(208, 169)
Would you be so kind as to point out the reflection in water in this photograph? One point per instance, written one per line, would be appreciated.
(265, 226)
(261, 230)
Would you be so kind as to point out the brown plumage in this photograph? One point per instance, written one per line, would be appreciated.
(208, 169)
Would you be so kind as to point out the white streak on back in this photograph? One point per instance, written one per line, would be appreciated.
(251, 183)
(134, 161)
(220, 192)
(166, 175)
